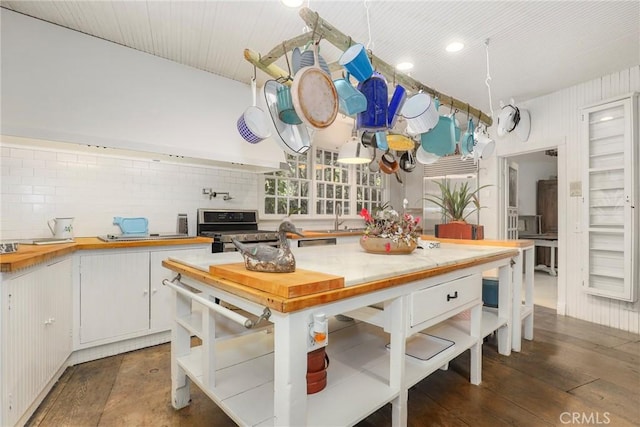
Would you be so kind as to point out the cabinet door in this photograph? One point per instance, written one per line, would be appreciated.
(162, 296)
(114, 295)
(610, 216)
(36, 334)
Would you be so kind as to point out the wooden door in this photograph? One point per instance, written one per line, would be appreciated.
(547, 207)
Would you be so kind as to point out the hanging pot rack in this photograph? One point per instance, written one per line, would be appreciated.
(321, 29)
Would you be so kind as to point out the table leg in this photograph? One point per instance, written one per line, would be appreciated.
(552, 268)
(505, 302)
(290, 369)
(516, 316)
(398, 318)
(528, 293)
(180, 346)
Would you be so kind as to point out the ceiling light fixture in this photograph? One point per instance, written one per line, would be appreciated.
(292, 3)
(455, 47)
(404, 66)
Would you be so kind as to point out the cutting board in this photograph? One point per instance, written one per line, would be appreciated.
(289, 285)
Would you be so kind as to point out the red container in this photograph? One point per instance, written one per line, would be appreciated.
(459, 230)
(317, 364)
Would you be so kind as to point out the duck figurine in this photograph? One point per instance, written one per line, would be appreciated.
(270, 259)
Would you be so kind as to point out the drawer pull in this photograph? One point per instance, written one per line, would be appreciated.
(455, 295)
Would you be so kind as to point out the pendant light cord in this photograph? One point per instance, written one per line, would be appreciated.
(488, 79)
(370, 42)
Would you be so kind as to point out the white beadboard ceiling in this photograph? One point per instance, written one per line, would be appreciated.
(535, 47)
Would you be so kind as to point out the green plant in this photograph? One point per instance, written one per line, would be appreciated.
(454, 202)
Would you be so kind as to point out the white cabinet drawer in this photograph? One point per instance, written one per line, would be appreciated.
(432, 302)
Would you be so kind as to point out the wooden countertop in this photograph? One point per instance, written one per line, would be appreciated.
(362, 272)
(521, 243)
(28, 255)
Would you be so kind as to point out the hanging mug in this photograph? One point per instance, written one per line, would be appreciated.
(375, 116)
(350, 100)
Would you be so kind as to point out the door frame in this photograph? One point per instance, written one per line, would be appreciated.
(503, 168)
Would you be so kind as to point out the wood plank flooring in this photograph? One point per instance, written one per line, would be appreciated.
(573, 373)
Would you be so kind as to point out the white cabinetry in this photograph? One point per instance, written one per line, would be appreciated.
(121, 294)
(610, 133)
(36, 335)
(114, 294)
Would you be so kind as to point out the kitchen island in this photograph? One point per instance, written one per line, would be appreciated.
(259, 378)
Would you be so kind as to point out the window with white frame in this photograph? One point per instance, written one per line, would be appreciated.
(287, 192)
(368, 188)
(303, 192)
(332, 183)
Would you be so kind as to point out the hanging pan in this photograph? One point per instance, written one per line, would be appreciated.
(314, 96)
(293, 139)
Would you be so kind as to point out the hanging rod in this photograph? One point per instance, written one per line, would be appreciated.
(325, 30)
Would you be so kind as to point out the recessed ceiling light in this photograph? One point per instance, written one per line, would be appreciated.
(404, 66)
(455, 47)
(292, 3)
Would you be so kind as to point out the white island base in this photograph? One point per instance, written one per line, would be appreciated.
(258, 378)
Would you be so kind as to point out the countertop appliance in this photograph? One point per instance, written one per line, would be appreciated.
(224, 225)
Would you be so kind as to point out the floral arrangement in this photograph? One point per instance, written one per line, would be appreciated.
(388, 223)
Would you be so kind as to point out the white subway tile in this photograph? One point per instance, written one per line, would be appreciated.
(20, 153)
(32, 199)
(67, 157)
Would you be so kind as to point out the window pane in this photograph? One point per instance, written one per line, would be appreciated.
(293, 206)
(319, 207)
(304, 206)
(304, 189)
(269, 205)
(270, 186)
(320, 190)
(330, 191)
(282, 206)
(329, 209)
(338, 191)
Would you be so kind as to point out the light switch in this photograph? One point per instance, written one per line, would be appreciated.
(575, 189)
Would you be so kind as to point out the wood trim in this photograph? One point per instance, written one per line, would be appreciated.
(286, 305)
(29, 255)
(521, 243)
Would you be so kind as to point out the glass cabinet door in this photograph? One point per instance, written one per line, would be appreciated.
(610, 216)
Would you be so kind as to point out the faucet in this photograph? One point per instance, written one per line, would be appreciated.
(337, 223)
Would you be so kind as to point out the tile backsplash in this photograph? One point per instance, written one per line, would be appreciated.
(38, 184)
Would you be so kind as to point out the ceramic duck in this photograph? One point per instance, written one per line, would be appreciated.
(270, 259)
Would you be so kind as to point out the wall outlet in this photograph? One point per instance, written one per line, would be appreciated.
(575, 189)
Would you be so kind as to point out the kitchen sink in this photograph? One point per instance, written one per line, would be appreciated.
(341, 231)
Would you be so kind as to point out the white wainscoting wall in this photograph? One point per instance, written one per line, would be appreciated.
(555, 122)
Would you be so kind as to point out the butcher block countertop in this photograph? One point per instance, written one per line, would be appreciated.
(28, 255)
(362, 272)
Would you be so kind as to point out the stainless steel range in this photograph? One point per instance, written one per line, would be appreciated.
(223, 225)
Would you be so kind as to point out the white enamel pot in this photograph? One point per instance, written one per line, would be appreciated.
(314, 96)
(253, 124)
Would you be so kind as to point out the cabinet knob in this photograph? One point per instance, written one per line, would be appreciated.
(145, 292)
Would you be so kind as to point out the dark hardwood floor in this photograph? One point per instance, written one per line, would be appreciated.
(573, 373)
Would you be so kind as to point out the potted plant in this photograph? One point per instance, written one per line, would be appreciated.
(389, 231)
(455, 203)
